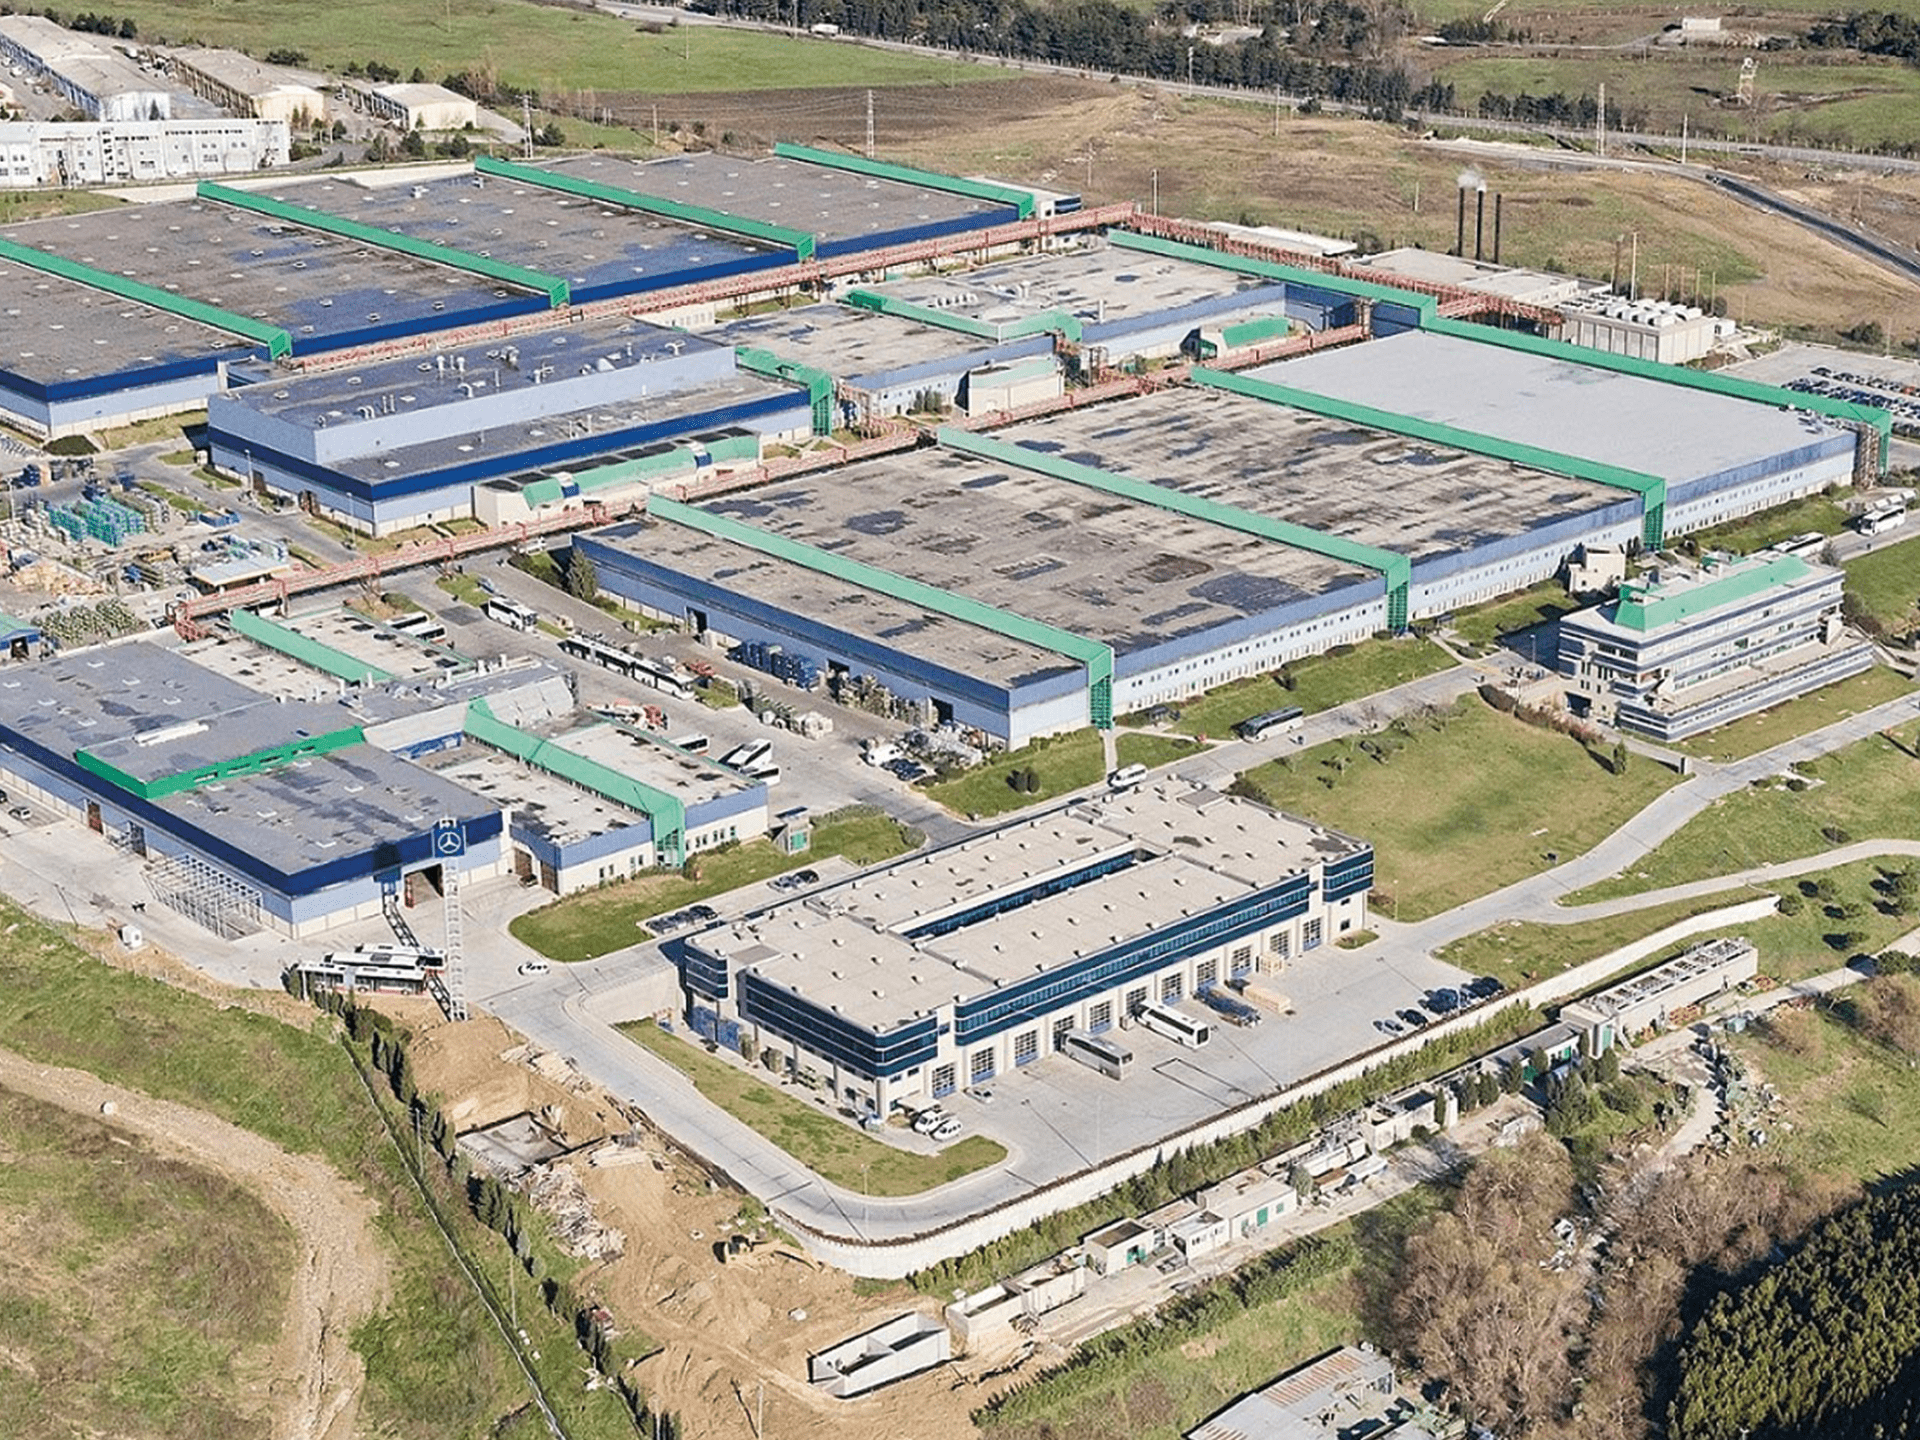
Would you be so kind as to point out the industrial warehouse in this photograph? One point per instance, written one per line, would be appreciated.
(948, 968)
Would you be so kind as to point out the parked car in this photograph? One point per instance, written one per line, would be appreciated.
(1484, 987)
(1413, 1018)
(1389, 1027)
(982, 1094)
(947, 1129)
(929, 1120)
(534, 967)
(21, 812)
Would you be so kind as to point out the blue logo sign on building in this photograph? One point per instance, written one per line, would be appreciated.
(449, 839)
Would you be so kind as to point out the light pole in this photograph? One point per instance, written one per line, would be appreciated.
(1156, 192)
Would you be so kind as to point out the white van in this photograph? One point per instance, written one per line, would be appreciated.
(1127, 776)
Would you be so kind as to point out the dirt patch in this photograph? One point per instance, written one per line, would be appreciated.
(342, 1271)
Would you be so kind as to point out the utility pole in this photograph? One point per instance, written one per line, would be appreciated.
(526, 125)
(870, 124)
(656, 124)
(1683, 138)
(1156, 192)
(1276, 112)
(1633, 270)
(1600, 122)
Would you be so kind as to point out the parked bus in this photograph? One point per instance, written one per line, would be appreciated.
(1887, 515)
(1810, 543)
(694, 744)
(1176, 1027)
(419, 625)
(1256, 726)
(1109, 1057)
(510, 613)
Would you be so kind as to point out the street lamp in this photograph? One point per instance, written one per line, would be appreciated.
(1156, 192)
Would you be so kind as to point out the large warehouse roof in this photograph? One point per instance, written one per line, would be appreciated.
(312, 285)
(1401, 495)
(856, 345)
(1671, 431)
(832, 204)
(56, 331)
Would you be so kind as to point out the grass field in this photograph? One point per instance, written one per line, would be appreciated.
(552, 48)
(1522, 952)
(167, 428)
(147, 1295)
(1751, 735)
(1850, 1101)
(1061, 765)
(463, 588)
(1464, 809)
(1321, 682)
(435, 1364)
(1132, 748)
(1887, 584)
(1868, 102)
(40, 204)
(1755, 532)
(1482, 626)
(803, 1128)
(1868, 791)
(592, 923)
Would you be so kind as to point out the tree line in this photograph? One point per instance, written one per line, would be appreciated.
(119, 27)
(1327, 49)
(1825, 1343)
(1871, 33)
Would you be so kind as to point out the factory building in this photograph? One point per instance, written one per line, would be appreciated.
(1679, 652)
(1649, 1001)
(950, 967)
(423, 107)
(1644, 329)
(55, 379)
(1120, 573)
(243, 810)
(242, 85)
(90, 72)
(67, 155)
(592, 412)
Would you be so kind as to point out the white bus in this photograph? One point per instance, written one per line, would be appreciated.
(419, 625)
(1176, 1027)
(1255, 726)
(1887, 515)
(510, 613)
(1810, 543)
(1109, 1057)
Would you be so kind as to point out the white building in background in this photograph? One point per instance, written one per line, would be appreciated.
(423, 107)
(242, 85)
(93, 73)
(34, 155)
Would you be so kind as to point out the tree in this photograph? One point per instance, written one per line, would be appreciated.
(1619, 762)
(1302, 1181)
(582, 581)
(413, 144)
(550, 135)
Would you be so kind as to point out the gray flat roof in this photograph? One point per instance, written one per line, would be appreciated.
(311, 285)
(847, 946)
(365, 639)
(694, 780)
(1095, 281)
(794, 589)
(1099, 566)
(421, 382)
(292, 817)
(584, 242)
(1402, 495)
(834, 205)
(684, 412)
(1667, 430)
(852, 345)
(550, 807)
(53, 330)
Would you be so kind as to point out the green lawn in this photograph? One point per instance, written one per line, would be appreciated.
(1133, 748)
(1457, 811)
(1868, 791)
(550, 48)
(593, 923)
(147, 1295)
(148, 432)
(463, 587)
(436, 1365)
(1755, 532)
(182, 503)
(1482, 626)
(1518, 953)
(1886, 583)
(1321, 682)
(719, 695)
(1849, 1101)
(1061, 765)
(18, 205)
(823, 1143)
(1754, 733)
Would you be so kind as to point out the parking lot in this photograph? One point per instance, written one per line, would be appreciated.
(1888, 381)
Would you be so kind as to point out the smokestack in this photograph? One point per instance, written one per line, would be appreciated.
(1496, 227)
(1460, 226)
(1479, 218)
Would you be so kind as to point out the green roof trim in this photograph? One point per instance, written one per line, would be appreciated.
(818, 382)
(1428, 307)
(303, 748)
(277, 341)
(1252, 332)
(1644, 606)
(800, 242)
(1021, 200)
(1395, 570)
(307, 651)
(1097, 657)
(1651, 489)
(13, 625)
(1041, 322)
(1709, 380)
(307, 218)
(664, 812)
